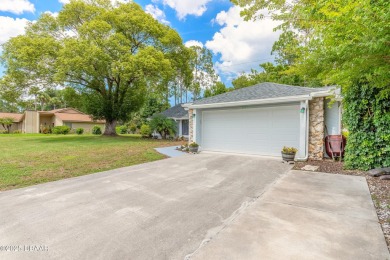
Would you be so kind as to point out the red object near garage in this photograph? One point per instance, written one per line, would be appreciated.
(335, 146)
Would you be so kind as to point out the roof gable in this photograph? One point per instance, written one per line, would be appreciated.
(66, 110)
(177, 112)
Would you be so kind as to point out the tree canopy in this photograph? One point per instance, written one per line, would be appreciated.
(271, 73)
(335, 41)
(344, 43)
(112, 54)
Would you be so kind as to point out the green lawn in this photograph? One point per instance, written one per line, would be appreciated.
(31, 159)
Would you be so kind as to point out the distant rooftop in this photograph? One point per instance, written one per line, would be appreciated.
(17, 117)
(176, 112)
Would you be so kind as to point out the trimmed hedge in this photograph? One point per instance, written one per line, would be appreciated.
(80, 131)
(61, 130)
(145, 131)
(97, 130)
(367, 116)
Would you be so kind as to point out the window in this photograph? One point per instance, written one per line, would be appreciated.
(184, 127)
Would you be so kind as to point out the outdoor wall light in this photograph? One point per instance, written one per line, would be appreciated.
(303, 110)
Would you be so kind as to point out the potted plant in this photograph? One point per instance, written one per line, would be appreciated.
(288, 153)
(193, 147)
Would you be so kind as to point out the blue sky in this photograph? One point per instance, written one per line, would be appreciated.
(237, 45)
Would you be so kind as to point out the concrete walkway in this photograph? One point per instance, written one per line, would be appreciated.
(170, 151)
(304, 216)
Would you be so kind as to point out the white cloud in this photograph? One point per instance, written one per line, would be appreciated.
(193, 43)
(10, 27)
(54, 14)
(112, 1)
(186, 7)
(16, 6)
(157, 13)
(242, 45)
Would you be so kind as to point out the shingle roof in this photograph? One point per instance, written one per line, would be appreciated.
(15, 116)
(72, 117)
(176, 112)
(264, 90)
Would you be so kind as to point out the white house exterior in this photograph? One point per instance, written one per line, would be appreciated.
(180, 115)
(261, 119)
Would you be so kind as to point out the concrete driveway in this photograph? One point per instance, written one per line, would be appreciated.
(304, 215)
(162, 210)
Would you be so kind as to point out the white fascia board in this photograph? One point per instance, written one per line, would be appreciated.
(186, 106)
(253, 102)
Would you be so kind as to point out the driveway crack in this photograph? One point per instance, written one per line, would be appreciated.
(214, 232)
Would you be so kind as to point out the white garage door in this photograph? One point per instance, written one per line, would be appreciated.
(262, 131)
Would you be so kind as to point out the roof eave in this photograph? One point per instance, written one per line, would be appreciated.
(180, 118)
(80, 121)
(253, 102)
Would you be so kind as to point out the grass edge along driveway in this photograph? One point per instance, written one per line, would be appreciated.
(31, 159)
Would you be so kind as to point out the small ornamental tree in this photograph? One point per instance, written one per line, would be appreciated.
(163, 125)
(6, 122)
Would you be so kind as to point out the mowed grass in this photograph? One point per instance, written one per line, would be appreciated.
(32, 159)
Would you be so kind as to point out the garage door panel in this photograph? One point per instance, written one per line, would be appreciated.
(261, 131)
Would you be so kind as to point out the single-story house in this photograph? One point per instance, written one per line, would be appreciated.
(180, 115)
(36, 121)
(263, 118)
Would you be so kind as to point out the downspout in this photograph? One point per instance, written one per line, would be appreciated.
(307, 135)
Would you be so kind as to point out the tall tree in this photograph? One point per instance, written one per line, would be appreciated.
(111, 53)
(216, 89)
(203, 70)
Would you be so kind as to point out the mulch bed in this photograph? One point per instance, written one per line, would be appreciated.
(380, 189)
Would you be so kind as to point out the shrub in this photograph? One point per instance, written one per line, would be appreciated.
(367, 117)
(61, 130)
(6, 122)
(17, 132)
(46, 130)
(289, 149)
(97, 130)
(145, 131)
(163, 125)
(133, 128)
(80, 131)
(4, 132)
(193, 145)
(122, 129)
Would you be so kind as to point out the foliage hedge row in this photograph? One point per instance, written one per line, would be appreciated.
(367, 116)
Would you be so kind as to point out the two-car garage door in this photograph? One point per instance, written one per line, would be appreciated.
(262, 131)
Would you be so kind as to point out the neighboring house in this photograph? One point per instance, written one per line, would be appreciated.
(263, 118)
(36, 121)
(180, 115)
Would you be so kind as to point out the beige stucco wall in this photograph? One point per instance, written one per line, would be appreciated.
(87, 126)
(31, 122)
(316, 128)
(14, 127)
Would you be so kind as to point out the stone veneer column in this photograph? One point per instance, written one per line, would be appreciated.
(316, 128)
(190, 126)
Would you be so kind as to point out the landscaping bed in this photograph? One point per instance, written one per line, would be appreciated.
(380, 189)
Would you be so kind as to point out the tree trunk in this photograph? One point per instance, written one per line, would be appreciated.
(110, 128)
